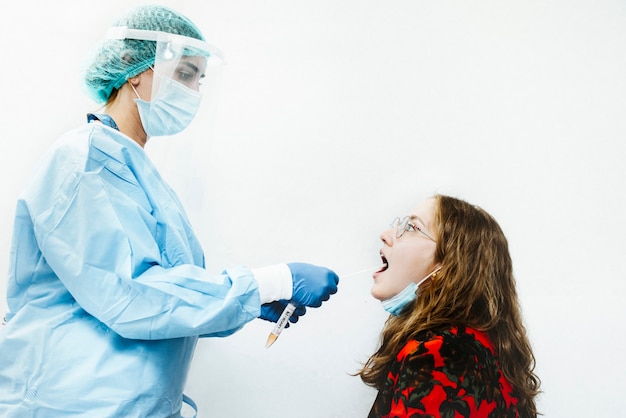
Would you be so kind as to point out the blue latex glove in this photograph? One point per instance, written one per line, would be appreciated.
(272, 311)
(312, 285)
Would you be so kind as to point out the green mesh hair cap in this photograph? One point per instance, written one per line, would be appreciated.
(114, 61)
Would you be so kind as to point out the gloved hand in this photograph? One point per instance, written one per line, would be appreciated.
(312, 284)
(273, 310)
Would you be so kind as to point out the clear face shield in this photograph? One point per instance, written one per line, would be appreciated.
(186, 74)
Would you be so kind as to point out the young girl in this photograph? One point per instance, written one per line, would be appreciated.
(455, 344)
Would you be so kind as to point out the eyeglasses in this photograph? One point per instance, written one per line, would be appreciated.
(403, 225)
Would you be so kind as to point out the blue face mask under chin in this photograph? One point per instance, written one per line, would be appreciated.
(397, 303)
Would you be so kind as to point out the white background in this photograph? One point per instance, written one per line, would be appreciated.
(336, 116)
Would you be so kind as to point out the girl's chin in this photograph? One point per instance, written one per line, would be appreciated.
(377, 294)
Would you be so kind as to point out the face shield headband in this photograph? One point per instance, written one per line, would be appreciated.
(123, 32)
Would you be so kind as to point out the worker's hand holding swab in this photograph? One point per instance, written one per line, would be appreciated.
(288, 312)
(272, 312)
(312, 284)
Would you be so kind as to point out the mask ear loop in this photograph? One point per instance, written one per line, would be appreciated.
(133, 87)
(433, 274)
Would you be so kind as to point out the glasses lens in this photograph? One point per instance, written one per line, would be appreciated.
(401, 226)
(395, 223)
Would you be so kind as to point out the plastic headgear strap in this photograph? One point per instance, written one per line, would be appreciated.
(123, 32)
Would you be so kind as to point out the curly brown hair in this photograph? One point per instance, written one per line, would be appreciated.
(475, 288)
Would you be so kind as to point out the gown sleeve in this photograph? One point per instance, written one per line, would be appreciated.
(122, 250)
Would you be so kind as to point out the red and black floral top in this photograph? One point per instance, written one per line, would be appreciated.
(449, 374)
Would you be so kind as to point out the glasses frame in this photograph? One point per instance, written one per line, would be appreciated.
(404, 224)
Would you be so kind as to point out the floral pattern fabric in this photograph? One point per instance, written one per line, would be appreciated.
(449, 374)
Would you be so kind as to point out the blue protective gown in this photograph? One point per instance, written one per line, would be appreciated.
(107, 290)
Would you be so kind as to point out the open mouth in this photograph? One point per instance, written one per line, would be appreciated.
(385, 264)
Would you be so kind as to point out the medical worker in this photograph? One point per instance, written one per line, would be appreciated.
(107, 291)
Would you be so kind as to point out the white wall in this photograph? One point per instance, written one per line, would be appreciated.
(333, 118)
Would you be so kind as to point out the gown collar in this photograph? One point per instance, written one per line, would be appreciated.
(104, 118)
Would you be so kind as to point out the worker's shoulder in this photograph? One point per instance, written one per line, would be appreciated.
(94, 143)
(71, 145)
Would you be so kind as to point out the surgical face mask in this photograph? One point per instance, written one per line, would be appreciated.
(171, 110)
(396, 304)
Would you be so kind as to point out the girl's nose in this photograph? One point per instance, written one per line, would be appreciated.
(387, 236)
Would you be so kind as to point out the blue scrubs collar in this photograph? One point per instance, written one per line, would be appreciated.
(104, 118)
